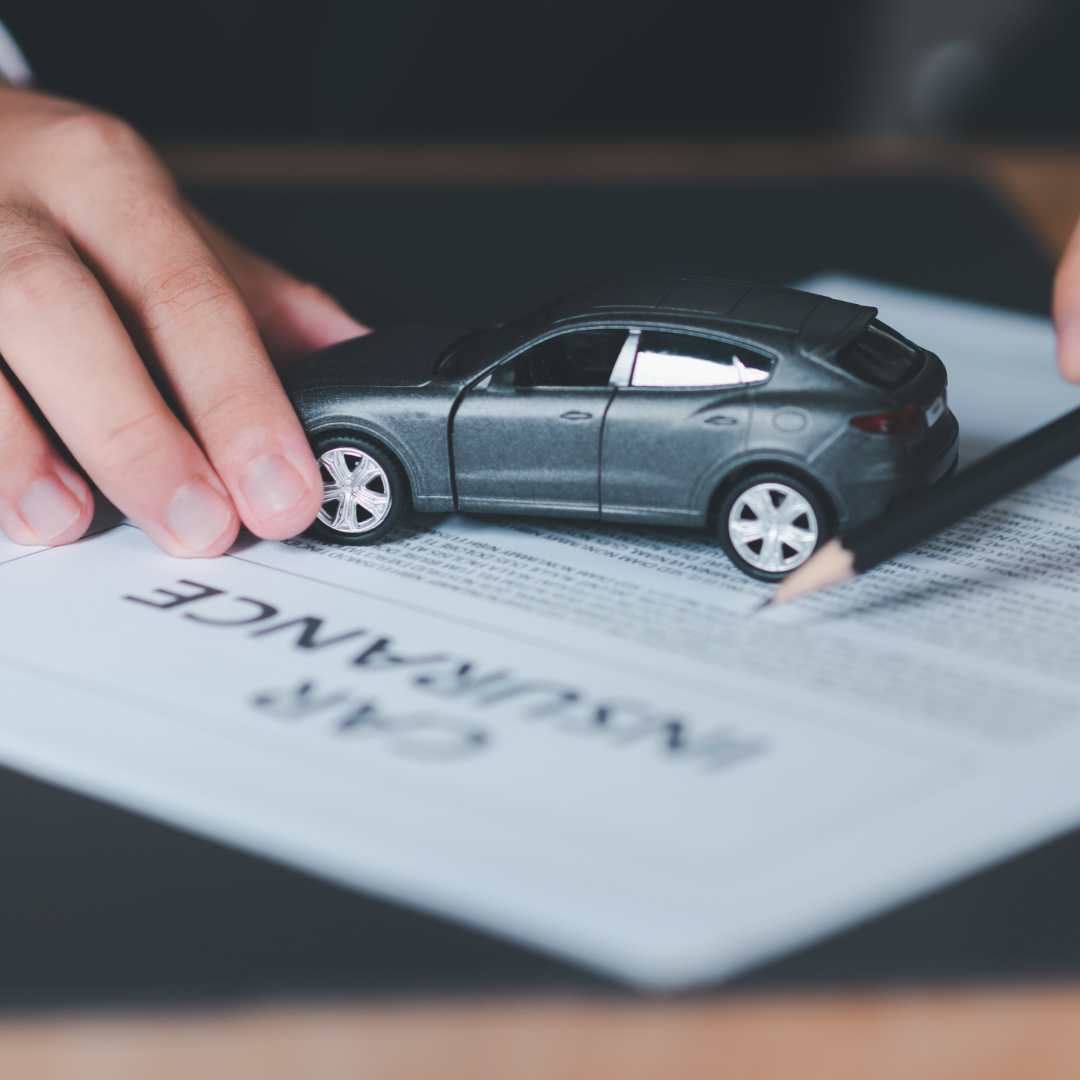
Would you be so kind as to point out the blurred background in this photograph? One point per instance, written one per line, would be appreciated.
(320, 98)
(582, 68)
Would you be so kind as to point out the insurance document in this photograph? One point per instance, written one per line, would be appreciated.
(584, 737)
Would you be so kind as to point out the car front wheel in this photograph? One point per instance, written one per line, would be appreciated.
(364, 491)
(770, 524)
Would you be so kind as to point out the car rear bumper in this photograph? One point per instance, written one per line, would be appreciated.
(887, 471)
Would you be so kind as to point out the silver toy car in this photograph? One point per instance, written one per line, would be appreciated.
(769, 416)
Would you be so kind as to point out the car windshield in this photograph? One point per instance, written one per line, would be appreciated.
(446, 358)
(480, 347)
(880, 356)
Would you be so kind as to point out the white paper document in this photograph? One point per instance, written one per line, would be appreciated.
(583, 737)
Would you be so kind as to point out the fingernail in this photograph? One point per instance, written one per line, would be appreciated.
(271, 486)
(49, 508)
(198, 516)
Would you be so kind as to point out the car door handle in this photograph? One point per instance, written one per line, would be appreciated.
(574, 414)
(722, 421)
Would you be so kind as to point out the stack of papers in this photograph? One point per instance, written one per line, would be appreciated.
(581, 736)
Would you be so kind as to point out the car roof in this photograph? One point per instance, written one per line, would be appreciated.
(821, 323)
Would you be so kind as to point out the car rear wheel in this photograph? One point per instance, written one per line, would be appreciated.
(364, 491)
(771, 523)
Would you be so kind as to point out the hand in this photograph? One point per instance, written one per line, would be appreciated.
(101, 261)
(1066, 307)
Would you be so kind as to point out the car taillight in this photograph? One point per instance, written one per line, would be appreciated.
(903, 421)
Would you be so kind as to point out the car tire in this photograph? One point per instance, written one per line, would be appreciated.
(770, 523)
(364, 490)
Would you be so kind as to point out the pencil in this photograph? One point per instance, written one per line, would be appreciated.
(921, 516)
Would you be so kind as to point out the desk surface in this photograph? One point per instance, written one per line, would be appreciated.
(988, 1033)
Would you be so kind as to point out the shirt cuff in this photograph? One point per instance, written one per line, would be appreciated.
(13, 65)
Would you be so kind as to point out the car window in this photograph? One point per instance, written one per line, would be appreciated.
(880, 356)
(754, 367)
(668, 358)
(576, 358)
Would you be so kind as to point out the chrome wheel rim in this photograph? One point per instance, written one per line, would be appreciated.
(773, 527)
(356, 491)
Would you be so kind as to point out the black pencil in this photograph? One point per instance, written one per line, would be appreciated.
(921, 516)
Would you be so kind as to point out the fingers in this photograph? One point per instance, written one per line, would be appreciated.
(294, 318)
(193, 324)
(42, 499)
(65, 342)
(100, 262)
(1066, 308)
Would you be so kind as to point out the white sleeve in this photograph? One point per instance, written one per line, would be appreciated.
(13, 65)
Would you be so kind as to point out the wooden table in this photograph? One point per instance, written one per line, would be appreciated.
(1042, 183)
(972, 1034)
(982, 1033)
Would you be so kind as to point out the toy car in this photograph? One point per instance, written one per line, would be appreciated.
(769, 416)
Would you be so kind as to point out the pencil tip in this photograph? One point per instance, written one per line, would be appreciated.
(829, 565)
(763, 605)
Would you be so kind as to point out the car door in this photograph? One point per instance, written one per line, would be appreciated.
(527, 438)
(683, 409)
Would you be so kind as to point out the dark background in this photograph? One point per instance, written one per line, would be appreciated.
(473, 254)
(429, 67)
(580, 68)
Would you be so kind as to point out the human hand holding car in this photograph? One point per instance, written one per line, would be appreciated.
(104, 266)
